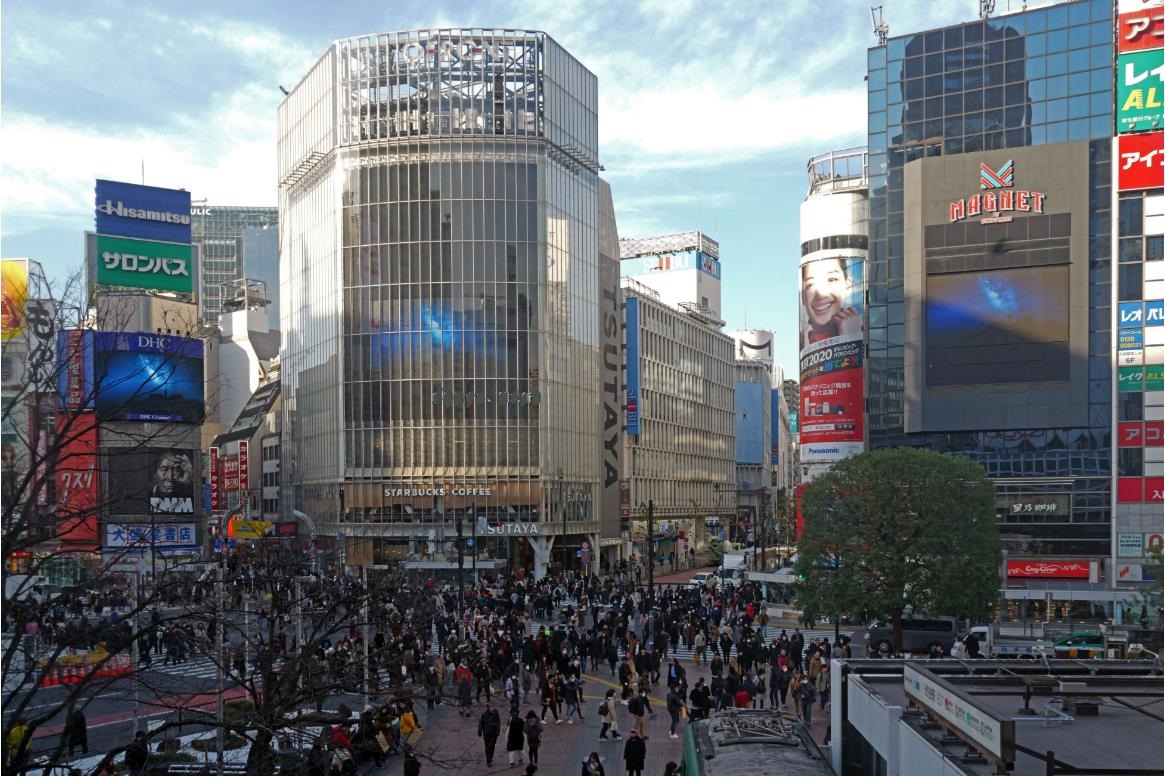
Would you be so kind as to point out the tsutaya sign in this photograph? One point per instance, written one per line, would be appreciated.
(508, 529)
(998, 196)
(436, 490)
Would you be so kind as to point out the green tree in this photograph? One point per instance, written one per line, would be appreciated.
(897, 528)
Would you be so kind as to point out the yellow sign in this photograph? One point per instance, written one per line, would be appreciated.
(13, 295)
(249, 529)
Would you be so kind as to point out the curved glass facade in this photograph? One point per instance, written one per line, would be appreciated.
(462, 189)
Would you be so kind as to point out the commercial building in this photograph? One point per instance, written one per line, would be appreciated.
(834, 243)
(979, 717)
(449, 299)
(991, 286)
(752, 431)
(235, 243)
(683, 268)
(679, 451)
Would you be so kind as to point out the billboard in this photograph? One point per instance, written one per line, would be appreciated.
(632, 365)
(75, 381)
(997, 326)
(831, 318)
(144, 212)
(158, 481)
(144, 376)
(178, 538)
(1140, 161)
(1140, 82)
(215, 484)
(1054, 569)
(775, 426)
(134, 263)
(750, 444)
(13, 293)
(680, 260)
(1140, 29)
(77, 478)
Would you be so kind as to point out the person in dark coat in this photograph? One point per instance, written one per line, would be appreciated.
(137, 754)
(515, 739)
(592, 766)
(76, 732)
(634, 753)
(412, 765)
(489, 727)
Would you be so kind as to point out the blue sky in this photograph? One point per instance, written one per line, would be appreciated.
(708, 112)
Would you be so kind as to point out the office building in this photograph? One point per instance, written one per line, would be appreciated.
(449, 302)
(990, 282)
(235, 243)
(683, 268)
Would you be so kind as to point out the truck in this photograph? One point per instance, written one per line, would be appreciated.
(991, 647)
(19, 588)
(732, 567)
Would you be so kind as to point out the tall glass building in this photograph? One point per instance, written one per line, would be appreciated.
(234, 243)
(989, 278)
(449, 284)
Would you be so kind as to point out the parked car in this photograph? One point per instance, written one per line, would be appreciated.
(1081, 645)
(704, 579)
(919, 634)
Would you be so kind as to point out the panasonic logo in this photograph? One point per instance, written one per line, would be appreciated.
(161, 216)
(823, 450)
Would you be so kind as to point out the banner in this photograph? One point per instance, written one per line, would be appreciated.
(1140, 161)
(831, 411)
(13, 294)
(215, 485)
(1139, 86)
(77, 478)
(1055, 569)
(632, 365)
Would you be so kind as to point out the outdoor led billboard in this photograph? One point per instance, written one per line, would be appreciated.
(832, 309)
(157, 481)
(13, 293)
(144, 376)
(997, 326)
(145, 212)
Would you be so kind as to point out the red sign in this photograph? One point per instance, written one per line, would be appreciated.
(230, 474)
(215, 485)
(1140, 30)
(1058, 569)
(244, 465)
(1140, 162)
(74, 370)
(1130, 433)
(1130, 490)
(1154, 429)
(77, 478)
(1153, 490)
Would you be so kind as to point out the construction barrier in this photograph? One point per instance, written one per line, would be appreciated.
(74, 673)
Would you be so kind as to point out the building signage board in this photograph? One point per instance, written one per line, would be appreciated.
(1130, 314)
(1155, 311)
(1128, 572)
(1130, 378)
(244, 467)
(75, 381)
(1130, 339)
(215, 483)
(1140, 29)
(133, 537)
(77, 478)
(1130, 545)
(140, 264)
(998, 196)
(632, 413)
(1140, 161)
(13, 295)
(414, 490)
(1049, 569)
(146, 212)
(992, 736)
(1139, 87)
(507, 529)
(1154, 377)
(1130, 357)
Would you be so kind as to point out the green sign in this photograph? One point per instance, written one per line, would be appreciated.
(793, 421)
(1130, 378)
(1140, 81)
(144, 264)
(1153, 377)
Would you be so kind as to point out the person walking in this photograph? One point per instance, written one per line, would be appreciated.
(675, 708)
(592, 766)
(137, 754)
(609, 716)
(412, 765)
(571, 694)
(634, 753)
(515, 740)
(806, 694)
(489, 727)
(533, 735)
(549, 694)
(76, 732)
(636, 707)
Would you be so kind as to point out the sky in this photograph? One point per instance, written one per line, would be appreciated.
(708, 112)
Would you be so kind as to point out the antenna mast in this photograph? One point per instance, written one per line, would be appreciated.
(986, 8)
(881, 27)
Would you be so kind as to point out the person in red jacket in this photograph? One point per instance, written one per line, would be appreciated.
(742, 699)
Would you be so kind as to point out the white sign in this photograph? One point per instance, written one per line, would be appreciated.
(1128, 572)
(1130, 357)
(166, 536)
(1130, 545)
(972, 721)
(509, 529)
(436, 490)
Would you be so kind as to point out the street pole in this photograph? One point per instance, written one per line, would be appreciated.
(651, 552)
(364, 615)
(136, 649)
(473, 530)
(460, 569)
(219, 657)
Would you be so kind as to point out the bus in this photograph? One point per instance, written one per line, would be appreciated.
(743, 742)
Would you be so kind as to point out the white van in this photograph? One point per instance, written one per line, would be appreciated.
(28, 587)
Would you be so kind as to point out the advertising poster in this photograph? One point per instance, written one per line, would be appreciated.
(750, 446)
(1140, 83)
(632, 365)
(157, 481)
(77, 478)
(1140, 161)
(1130, 378)
(145, 212)
(143, 376)
(122, 261)
(1155, 312)
(1154, 379)
(830, 416)
(13, 293)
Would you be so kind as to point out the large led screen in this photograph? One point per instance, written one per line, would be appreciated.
(998, 326)
(144, 376)
(157, 481)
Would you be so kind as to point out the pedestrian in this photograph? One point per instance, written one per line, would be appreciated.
(18, 742)
(675, 708)
(137, 754)
(593, 766)
(76, 732)
(515, 740)
(634, 753)
(806, 694)
(489, 727)
(549, 693)
(636, 707)
(571, 694)
(412, 765)
(671, 769)
(533, 736)
(609, 716)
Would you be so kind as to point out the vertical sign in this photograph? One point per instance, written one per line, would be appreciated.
(244, 465)
(633, 365)
(76, 478)
(215, 497)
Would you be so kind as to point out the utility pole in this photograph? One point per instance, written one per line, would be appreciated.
(220, 658)
(364, 616)
(651, 552)
(460, 569)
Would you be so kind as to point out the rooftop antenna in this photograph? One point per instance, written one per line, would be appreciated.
(143, 172)
(881, 27)
(986, 8)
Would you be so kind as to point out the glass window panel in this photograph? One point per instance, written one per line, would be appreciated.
(1057, 17)
(1039, 134)
(1078, 84)
(933, 63)
(1078, 59)
(1057, 110)
(1078, 129)
(1057, 63)
(1037, 67)
(973, 101)
(1078, 107)
(993, 53)
(1015, 94)
(1036, 45)
(1058, 132)
(914, 67)
(1099, 126)
(1057, 87)
(877, 79)
(993, 97)
(1099, 33)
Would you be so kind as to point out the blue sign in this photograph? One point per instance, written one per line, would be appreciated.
(469, 542)
(633, 365)
(750, 446)
(1129, 314)
(775, 426)
(1130, 339)
(218, 545)
(145, 212)
(1155, 312)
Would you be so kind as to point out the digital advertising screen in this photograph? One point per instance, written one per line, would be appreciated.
(157, 481)
(997, 326)
(831, 322)
(144, 376)
(750, 445)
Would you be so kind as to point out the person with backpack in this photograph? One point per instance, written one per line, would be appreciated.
(533, 732)
(637, 708)
(608, 714)
(489, 727)
(675, 708)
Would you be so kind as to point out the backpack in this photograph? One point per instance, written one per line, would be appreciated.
(604, 709)
(636, 706)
